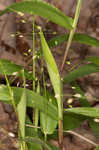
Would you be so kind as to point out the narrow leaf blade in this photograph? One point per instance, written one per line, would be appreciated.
(80, 72)
(78, 37)
(51, 65)
(42, 9)
(91, 112)
(21, 109)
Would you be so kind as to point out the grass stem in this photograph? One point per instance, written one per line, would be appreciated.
(72, 32)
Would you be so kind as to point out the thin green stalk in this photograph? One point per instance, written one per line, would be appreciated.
(37, 111)
(60, 124)
(45, 94)
(33, 62)
(33, 26)
(12, 98)
(72, 32)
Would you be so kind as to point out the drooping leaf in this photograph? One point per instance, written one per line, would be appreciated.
(94, 60)
(53, 71)
(80, 72)
(33, 100)
(13, 69)
(78, 37)
(86, 111)
(42, 9)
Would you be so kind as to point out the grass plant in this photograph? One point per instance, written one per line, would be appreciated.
(49, 114)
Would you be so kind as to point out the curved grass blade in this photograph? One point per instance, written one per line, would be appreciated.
(13, 69)
(86, 111)
(80, 72)
(33, 100)
(78, 37)
(42, 9)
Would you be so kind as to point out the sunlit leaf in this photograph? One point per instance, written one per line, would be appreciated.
(86, 111)
(53, 70)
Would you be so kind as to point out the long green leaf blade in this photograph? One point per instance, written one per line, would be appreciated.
(42, 9)
(78, 37)
(53, 71)
(86, 111)
(33, 100)
(80, 72)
